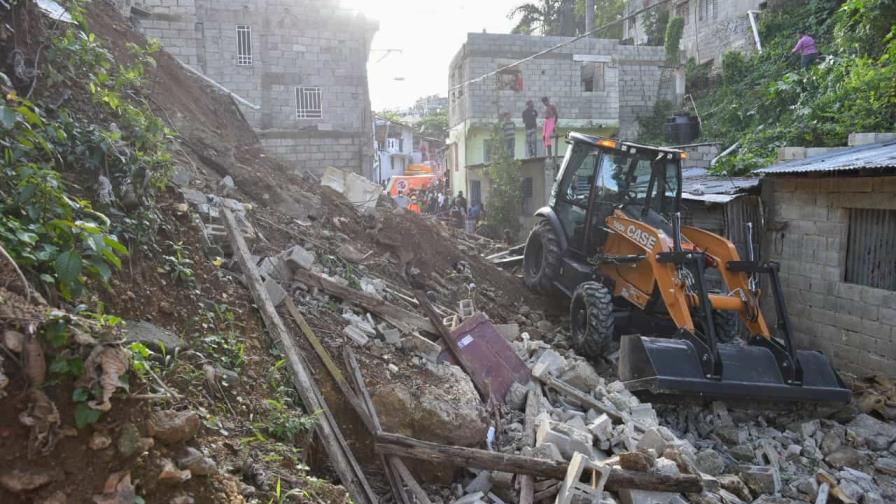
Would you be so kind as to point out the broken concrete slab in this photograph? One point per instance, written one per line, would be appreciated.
(416, 343)
(877, 435)
(572, 486)
(361, 193)
(761, 479)
(298, 257)
(846, 456)
(482, 483)
(581, 375)
(549, 362)
(356, 335)
(652, 440)
(567, 439)
(602, 427)
(710, 462)
(274, 290)
(632, 496)
(474, 498)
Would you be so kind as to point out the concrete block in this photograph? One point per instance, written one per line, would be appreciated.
(356, 335)
(572, 486)
(416, 343)
(275, 292)
(644, 414)
(761, 479)
(275, 268)
(652, 440)
(298, 257)
(567, 439)
(631, 496)
(481, 483)
(856, 139)
(602, 427)
(474, 498)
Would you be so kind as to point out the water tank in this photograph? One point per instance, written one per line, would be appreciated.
(682, 128)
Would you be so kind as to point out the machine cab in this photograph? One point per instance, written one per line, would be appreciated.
(599, 175)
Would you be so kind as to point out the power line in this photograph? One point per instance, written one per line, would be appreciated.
(558, 46)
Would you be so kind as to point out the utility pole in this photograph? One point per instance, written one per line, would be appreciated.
(589, 16)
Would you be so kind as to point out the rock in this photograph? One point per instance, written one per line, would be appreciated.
(57, 497)
(182, 499)
(602, 427)
(807, 486)
(761, 479)
(172, 427)
(736, 486)
(151, 335)
(298, 258)
(356, 335)
(876, 434)
(873, 498)
(199, 465)
(793, 451)
(511, 332)
(652, 440)
(23, 480)
(732, 435)
(636, 461)
(832, 439)
(845, 457)
(743, 453)
(171, 474)
(275, 268)
(480, 484)
(863, 480)
(128, 443)
(710, 462)
(851, 489)
(274, 290)
(449, 411)
(666, 467)
(569, 440)
(886, 465)
(808, 429)
(631, 496)
(550, 362)
(644, 414)
(99, 440)
(581, 375)
(544, 451)
(474, 498)
(516, 396)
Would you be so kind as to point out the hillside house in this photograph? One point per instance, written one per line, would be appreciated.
(303, 63)
(831, 224)
(598, 86)
(711, 27)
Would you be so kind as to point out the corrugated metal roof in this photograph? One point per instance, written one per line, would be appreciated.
(875, 156)
(699, 185)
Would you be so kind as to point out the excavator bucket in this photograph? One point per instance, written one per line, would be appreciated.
(664, 366)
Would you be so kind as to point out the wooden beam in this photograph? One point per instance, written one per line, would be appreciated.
(403, 446)
(452, 345)
(533, 403)
(582, 398)
(339, 454)
(402, 319)
(418, 491)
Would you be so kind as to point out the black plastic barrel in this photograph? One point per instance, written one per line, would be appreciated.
(682, 129)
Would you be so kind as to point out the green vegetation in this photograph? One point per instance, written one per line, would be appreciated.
(765, 101)
(505, 192)
(655, 23)
(672, 38)
(567, 17)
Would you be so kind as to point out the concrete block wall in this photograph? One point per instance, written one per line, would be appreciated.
(808, 226)
(295, 43)
(632, 80)
(700, 155)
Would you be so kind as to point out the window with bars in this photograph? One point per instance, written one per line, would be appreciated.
(871, 248)
(308, 103)
(243, 45)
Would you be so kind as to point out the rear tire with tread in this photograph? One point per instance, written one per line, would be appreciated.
(591, 317)
(541, 259)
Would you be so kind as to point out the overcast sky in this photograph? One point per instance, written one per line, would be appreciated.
(429, 33)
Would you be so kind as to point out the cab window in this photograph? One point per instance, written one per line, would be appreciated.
(574, 191)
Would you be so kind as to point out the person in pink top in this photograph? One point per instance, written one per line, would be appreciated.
(807, 50)
(550, 124)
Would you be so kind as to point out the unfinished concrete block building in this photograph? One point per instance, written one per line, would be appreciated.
(303, 63)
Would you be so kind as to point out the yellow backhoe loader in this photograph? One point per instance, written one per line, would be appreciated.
(612, 241)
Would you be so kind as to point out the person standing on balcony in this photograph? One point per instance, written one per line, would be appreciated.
(550, 124)
(509, 129)
(530, 122)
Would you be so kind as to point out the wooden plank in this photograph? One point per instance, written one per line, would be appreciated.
(581, 397)
(533, 403)
(403, 446)
(452, 345)
(339, 454)
(402, 319)
(419, 494)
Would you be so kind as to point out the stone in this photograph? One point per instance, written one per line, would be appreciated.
(99, 440)
(199, 465)
(652, 440)
(602, 427)
(474, 498)
(743, 453)
(482, 483)
(447, 412)
(171, 474)
(761, 479)
(567, 439)
(544, 451)
(863, 480)
(632, 496)
(845, 457)
(275, 268)
(172, 427)
(298, 258)
(886, 465)
(151, 335)
(876, 434)
(644, 414)
(710, 462)
(736, 486)
(128, 443)
(550, 362)
(581, 375)
(807, 486)
(356, 335)
(516, 396)
(731, 435)
(416, 343)
(390, 335)
(636, 461)
(182, 499)
(808, 429)
(832, 439)
(666, 467)
(793, 452)
(544, 326)
(851, 489)
(23, 480)
(274, 290)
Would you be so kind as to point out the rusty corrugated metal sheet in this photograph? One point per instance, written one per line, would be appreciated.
(880, 156)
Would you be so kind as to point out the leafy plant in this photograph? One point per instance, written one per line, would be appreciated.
(178, 264)
(505, 191)
(672, 39)
(228, 349)
(283, 423)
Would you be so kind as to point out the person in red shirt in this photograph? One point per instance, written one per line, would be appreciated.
(414, 206)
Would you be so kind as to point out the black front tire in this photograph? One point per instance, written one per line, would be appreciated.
(591, 317)
(541, 259)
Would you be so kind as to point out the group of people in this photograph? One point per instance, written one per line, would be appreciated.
(530, 123)
(433, 201)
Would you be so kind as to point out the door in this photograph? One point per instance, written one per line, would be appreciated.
(475, 192)
(574, 192)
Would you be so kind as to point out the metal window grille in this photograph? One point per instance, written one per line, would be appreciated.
(871, 248)
(243, 45)
(308, 103)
